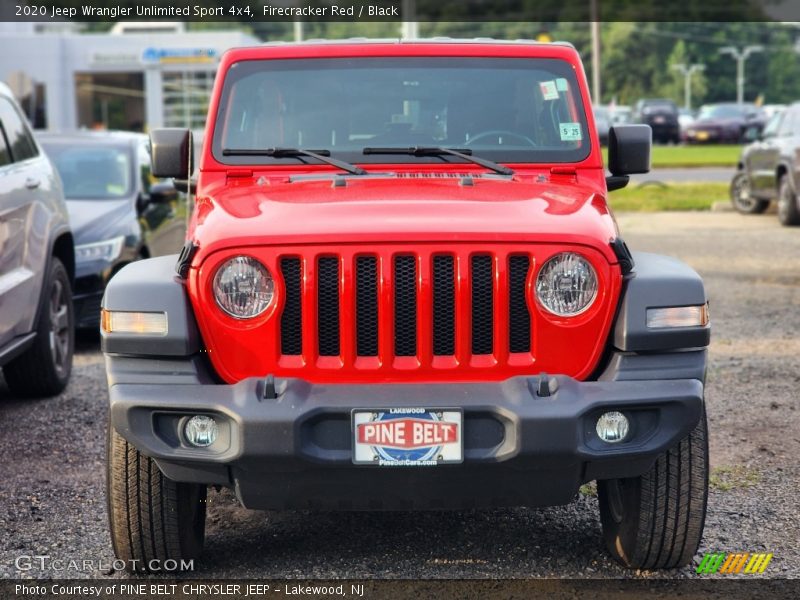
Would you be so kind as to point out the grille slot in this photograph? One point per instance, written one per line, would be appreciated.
(482, 305)
(519, 317)
(292, 317)
(366, 306)
(444, 306)
(328, 306)
(405, 306)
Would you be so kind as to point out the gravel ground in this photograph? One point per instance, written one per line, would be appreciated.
(52, 491)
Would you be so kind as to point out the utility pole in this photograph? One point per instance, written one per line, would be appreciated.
(687, 73)
(409, 28)
(740, 56)
(595, 17)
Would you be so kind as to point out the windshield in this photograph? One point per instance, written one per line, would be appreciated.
(721, 111)
(510, 110)
(87, 172)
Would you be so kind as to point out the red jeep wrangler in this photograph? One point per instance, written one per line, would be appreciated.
(403, 289)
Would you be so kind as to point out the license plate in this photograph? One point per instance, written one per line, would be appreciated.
(702, 135)
(659, 120)
(407, 437)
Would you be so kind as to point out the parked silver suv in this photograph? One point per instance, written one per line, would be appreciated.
(37, 263)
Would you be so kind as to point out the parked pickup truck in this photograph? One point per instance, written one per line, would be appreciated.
(402, 288)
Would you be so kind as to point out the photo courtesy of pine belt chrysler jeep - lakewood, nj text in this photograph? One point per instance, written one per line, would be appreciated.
(402, 289)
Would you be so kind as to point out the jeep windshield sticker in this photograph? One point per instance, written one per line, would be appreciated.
(549, 91)
(570, 132)
(561, 84)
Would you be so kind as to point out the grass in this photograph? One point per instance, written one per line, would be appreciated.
(710, 155)
(676, 196)
(726, 478)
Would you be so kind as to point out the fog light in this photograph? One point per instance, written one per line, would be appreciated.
(612, 427)
(200, 431)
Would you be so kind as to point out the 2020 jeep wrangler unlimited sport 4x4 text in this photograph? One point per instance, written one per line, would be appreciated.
(402, 288)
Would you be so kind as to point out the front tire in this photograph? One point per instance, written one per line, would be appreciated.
(153, 519)
(788, 211)
(741, 197)
(656, 521)
(44, 368)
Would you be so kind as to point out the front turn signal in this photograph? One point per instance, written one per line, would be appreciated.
(146, 323)
(677, 316)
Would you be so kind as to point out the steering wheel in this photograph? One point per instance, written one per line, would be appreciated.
(500, 133)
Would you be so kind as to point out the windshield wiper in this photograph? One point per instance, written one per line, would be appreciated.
(464, 153)
(321, 155)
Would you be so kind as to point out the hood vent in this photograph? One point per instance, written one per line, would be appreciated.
(435, 175)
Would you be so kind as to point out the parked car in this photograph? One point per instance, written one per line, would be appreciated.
(602, 121)
(770, 110)
(686, 117)
(726, 122)
(769, 169)
(381, 312)
(662, 117)
(37, 263)
(118, 210)
(620, 114)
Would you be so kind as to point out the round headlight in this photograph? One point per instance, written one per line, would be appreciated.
(243, 287)
(566, 285)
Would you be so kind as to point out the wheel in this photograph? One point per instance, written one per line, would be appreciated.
(655, 521)
(45, 367)
(788, 211)
(741, 199)
(153, 519)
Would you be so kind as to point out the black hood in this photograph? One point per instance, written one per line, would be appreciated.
(98, 220)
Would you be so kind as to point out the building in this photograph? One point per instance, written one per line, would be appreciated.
(136, 77)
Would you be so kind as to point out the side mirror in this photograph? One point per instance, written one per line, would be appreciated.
(628, 153)
(163, 193)
(753, 134)
(171, 152)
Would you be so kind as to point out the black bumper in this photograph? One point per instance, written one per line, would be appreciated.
(295, 451)
(86, 300)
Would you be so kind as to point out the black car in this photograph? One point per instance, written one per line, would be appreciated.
(726, 122)
(768, 169)
(662, 117)
(118, 211)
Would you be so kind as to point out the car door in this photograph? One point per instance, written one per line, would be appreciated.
(23, 224)
(763, 156)
(162, 216)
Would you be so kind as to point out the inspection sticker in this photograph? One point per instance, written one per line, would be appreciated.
(549, 91)
(561, 84)
(570, 132)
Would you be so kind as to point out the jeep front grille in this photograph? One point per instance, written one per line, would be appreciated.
(407, 310)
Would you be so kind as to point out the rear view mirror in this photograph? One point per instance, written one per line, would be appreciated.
(171, 152)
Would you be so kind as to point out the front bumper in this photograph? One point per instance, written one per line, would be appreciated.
(295, 451)
(86, 300)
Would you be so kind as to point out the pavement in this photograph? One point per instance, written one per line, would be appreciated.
(52, 499)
